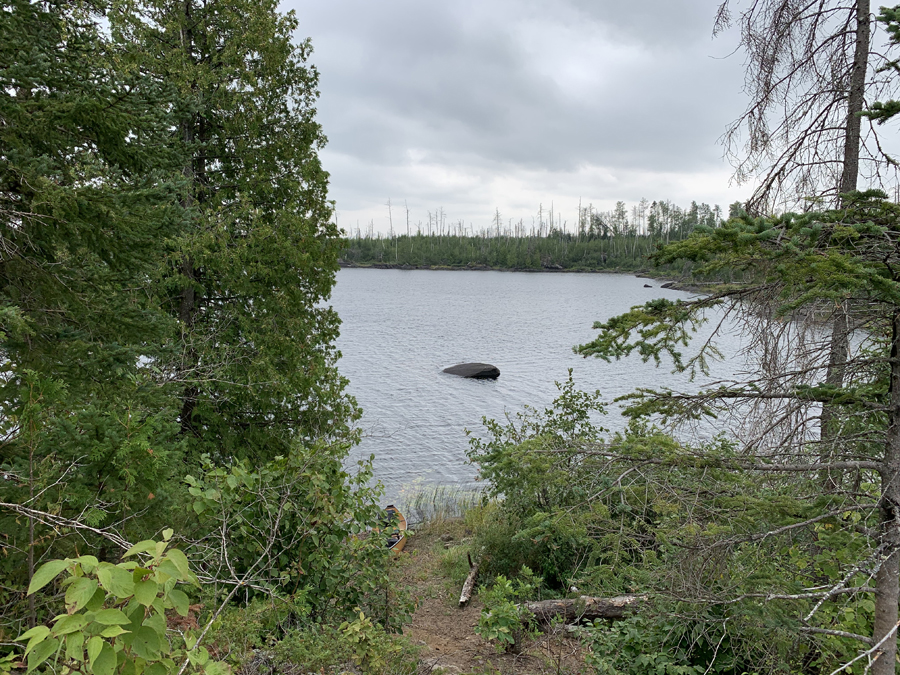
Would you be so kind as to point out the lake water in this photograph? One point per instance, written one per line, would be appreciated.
(402, 328)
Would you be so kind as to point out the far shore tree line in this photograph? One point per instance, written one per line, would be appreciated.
(614, 239)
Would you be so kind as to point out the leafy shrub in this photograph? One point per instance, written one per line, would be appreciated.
(291, 526)
(115, 620)
(504, 621)
(318, 648)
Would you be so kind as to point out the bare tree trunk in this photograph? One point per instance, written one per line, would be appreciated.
(839, 348)
(855, 97)
(584, 608)
(887, 580)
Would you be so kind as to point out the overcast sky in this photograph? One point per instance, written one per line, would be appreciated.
(475, 105)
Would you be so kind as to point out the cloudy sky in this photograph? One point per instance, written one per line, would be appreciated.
(475, 105)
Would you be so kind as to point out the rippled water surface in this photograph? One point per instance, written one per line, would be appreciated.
(401, 328)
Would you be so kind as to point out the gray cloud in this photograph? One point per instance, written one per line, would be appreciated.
(507, 104)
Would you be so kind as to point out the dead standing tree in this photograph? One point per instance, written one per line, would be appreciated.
(811, 70)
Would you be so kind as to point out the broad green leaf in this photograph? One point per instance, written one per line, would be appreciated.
(105, 663)
(34, 636)
(88, 562)
(199, 656)
(69, 623)
(166, 569)
(75, 646)
(79, 593)
(181, 562)
(145, 592)
(141, 547)
(46, 573)
(216, 668)
(96, 602)
(159, 606)
(167, 534)
(116, 580)
(111, 617)
(138, 573)
(112, 631)
(41, 653)
(94, 645)
(127, 665)
(179, 601)
(158, 623)
(156, 669)
(146, 643)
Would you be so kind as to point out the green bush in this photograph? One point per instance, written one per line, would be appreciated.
(291, 526)
(317, 648)
(504, 621)
(115, 619)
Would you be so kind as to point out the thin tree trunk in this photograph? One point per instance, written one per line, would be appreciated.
(194, 171)
(855, 97)
(839, 347)
(32, 612)
(838, 352)
(887, 586)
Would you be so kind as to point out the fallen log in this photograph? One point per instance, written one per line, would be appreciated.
(469, 585)
(584, 608)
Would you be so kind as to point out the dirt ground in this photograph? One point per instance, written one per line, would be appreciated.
(446, 632)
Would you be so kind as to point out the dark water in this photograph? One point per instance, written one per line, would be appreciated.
(401, 328)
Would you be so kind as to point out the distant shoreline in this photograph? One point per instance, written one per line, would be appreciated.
(671, 284)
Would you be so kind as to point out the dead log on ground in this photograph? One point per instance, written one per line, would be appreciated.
(469, 586)
(585, 608)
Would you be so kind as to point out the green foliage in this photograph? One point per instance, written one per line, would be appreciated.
(290, 525)
(503, 620)
(600, 241)
(168, 247)
(637, 645)
(763, 539)
(531, 462)
(882, 111)
(265, 634)
(372, 649)
(87, 202)
(638, 512)
(247, 281)
(115, 620)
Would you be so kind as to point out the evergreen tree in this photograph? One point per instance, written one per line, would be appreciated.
(86, 203)
(256, 359)
(802, 266)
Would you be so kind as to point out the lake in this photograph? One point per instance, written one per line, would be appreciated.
(401, 328)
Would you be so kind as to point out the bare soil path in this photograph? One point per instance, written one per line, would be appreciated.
(429, 565)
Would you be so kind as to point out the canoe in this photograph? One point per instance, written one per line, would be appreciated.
(396, 529)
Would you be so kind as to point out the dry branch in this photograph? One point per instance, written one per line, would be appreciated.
(584, 608)
(469, 585)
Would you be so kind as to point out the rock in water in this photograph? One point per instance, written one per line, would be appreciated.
(475, 371)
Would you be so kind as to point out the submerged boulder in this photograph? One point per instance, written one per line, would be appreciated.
(475, 371)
